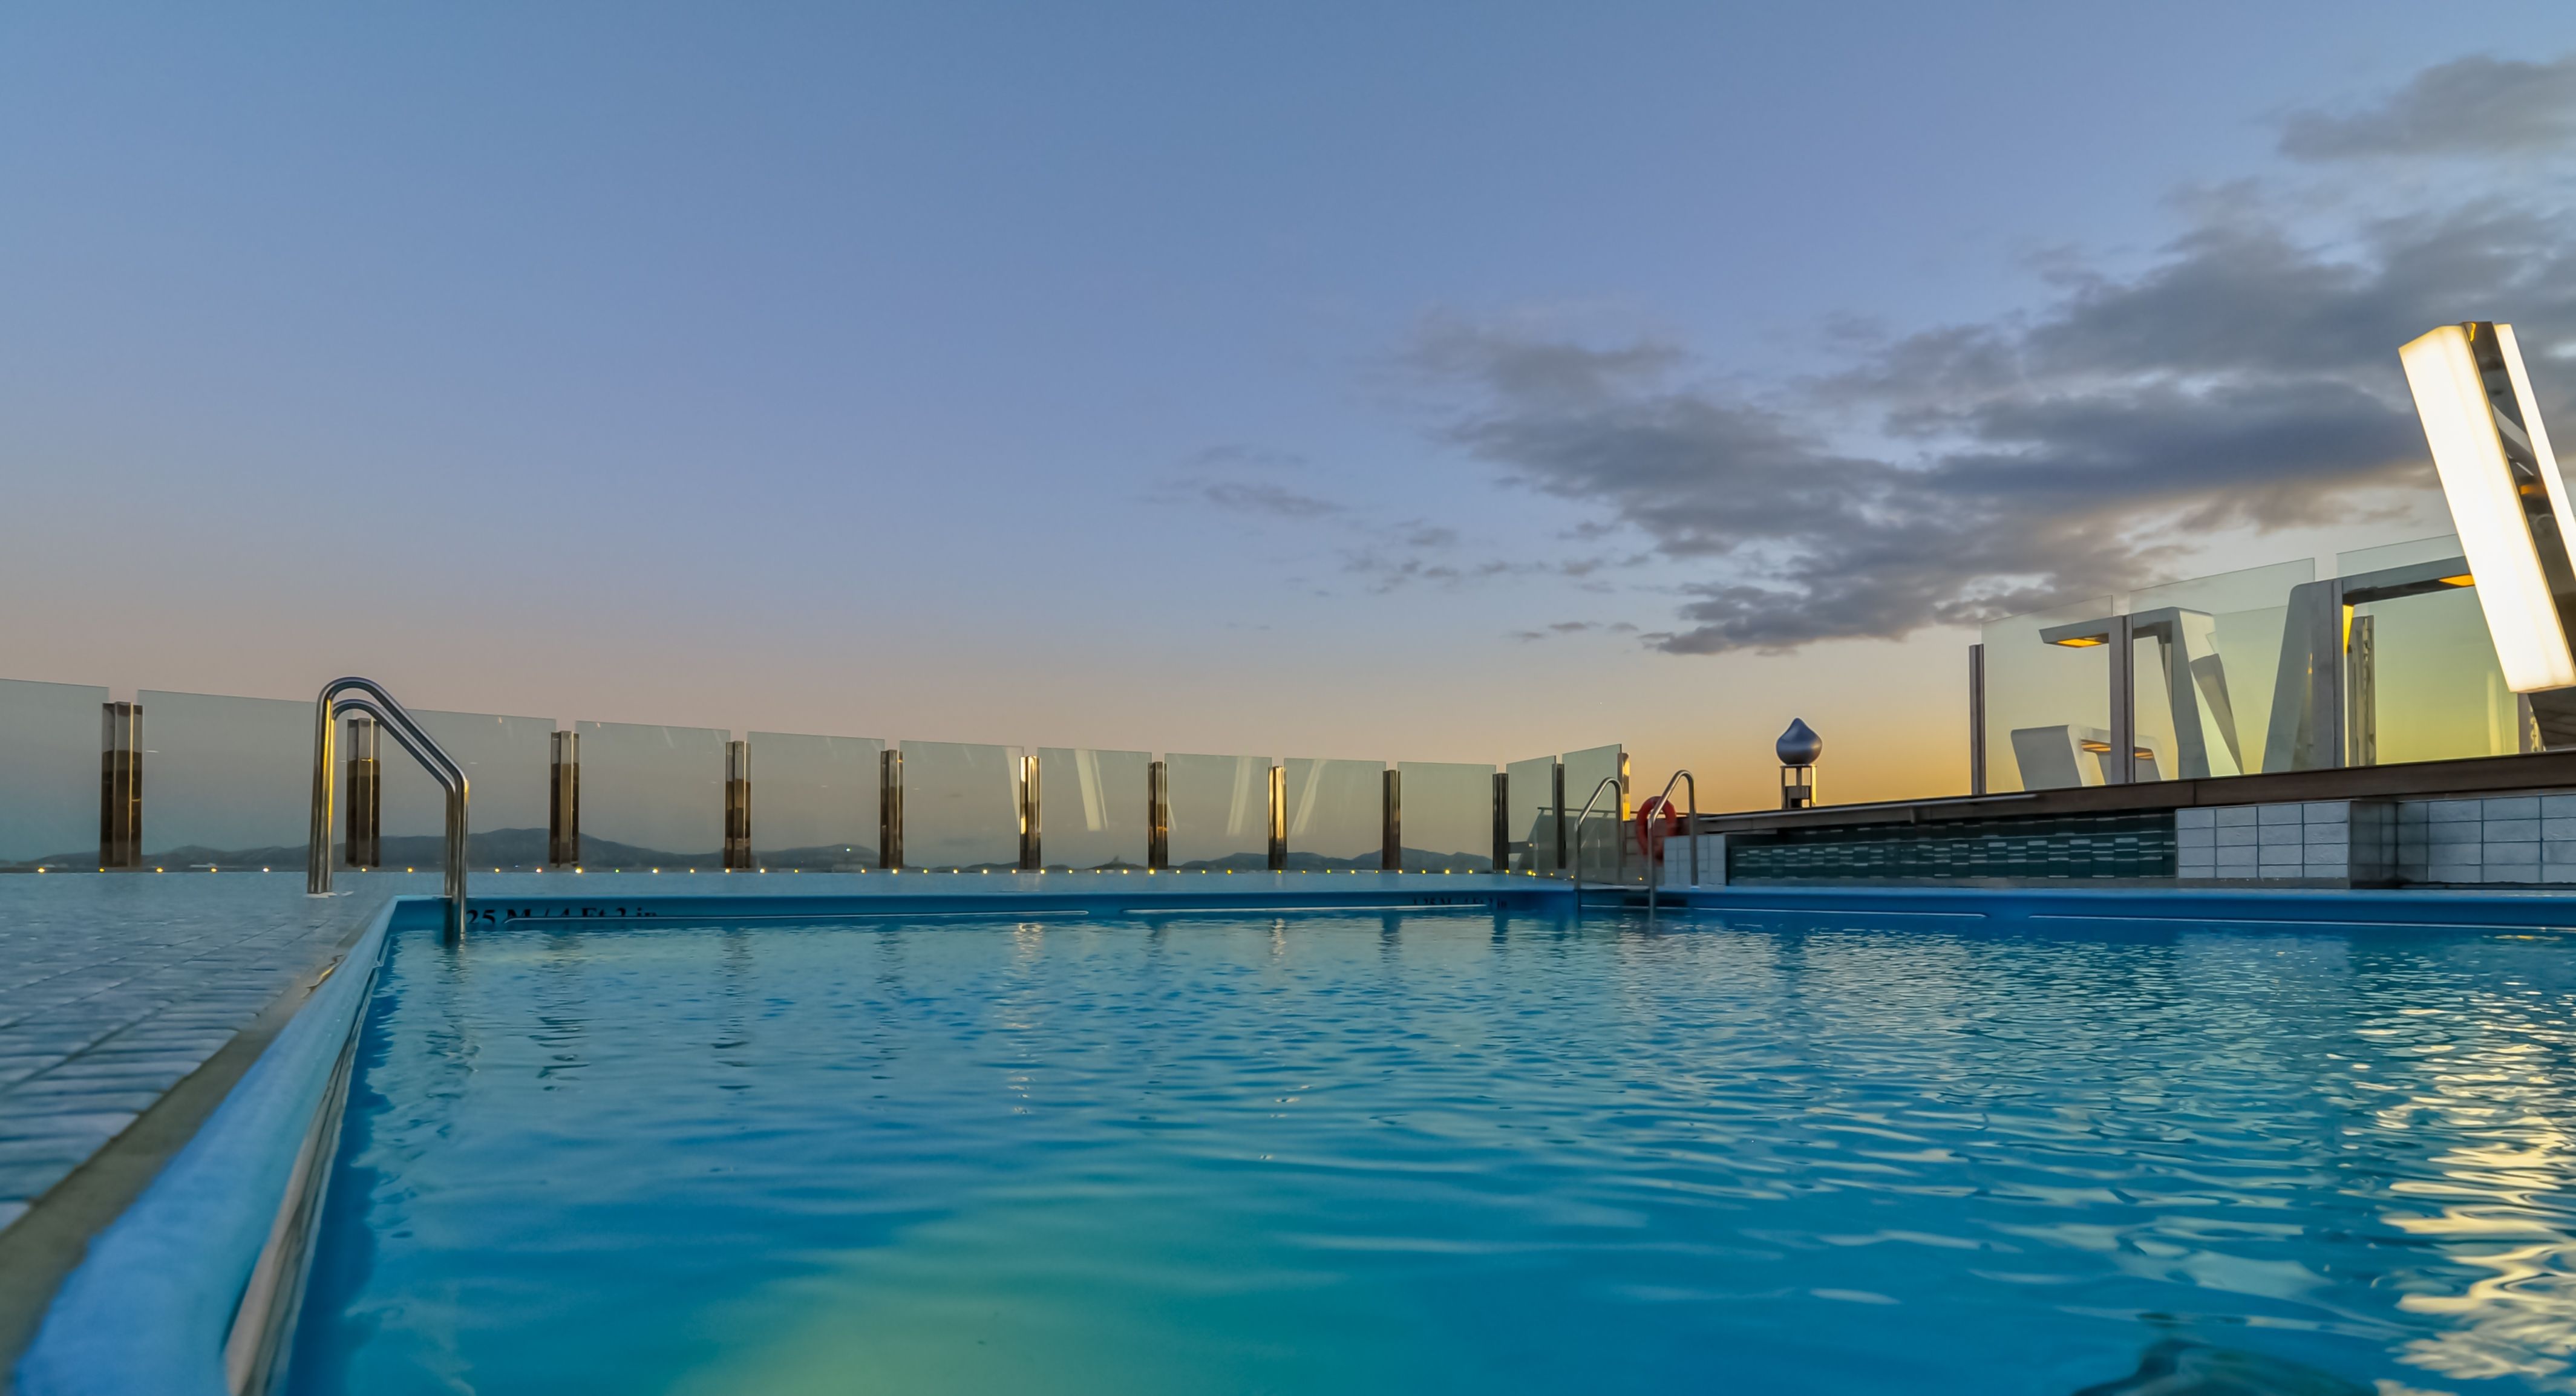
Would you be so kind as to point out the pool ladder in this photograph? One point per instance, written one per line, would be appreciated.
(1690, 831)
(380, 705)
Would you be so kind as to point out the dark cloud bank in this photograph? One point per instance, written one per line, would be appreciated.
(2246, 378)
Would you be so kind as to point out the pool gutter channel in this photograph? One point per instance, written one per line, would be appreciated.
(263, 1330)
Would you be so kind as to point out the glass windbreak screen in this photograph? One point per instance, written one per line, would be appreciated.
(2421, 672)
(1092, 807)
(2048, 697)
(1447, 811)
(1336, 814)
(1531, 792)
(961, 805)
(814, 801)
(1220, 810)
(1598, 837)
(505, 761)
(2208, 662)
(49, 768)
(227, 782)
(651, 797)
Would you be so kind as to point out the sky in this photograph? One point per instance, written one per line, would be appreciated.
(1388, 381)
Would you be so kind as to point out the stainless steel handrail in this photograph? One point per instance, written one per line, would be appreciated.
(1690, 831)
(432, 757)
(1578, 836)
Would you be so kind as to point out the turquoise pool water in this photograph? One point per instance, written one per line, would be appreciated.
(1361, 1153)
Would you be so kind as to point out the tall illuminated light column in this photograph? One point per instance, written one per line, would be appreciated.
(2507, 500)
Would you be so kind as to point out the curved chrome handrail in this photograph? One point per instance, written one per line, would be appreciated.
(1578, 836)
(432, 757)
(1690, 831)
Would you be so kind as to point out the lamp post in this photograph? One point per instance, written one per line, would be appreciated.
(1798, 748)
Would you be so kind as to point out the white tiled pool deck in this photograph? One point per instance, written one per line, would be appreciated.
(113, 989)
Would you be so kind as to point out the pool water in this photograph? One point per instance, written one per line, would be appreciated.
(1360, 1153)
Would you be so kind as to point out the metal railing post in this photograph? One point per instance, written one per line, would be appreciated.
(1556, 804)
(737, 813)
(364, 847)
(1279, 819)
(1502, 822)
(1158, 816)
(563, 801)
(1390, 856)
(1976, 719)
(1032, 853)
(120, 786)
(890, 808)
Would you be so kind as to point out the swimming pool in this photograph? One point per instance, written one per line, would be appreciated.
(1451, 1150)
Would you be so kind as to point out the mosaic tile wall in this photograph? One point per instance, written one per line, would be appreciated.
(2073, 846)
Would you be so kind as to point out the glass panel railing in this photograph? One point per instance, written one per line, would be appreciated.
(2207, 658)
(1336, 814)
(1530, 789)
(1448, 816)
(227, 782)
(1220, 807)
(651, 797)
(1093, 807)
(961, 805)
(814, 804)
(2421, 674)
(49, 767)
(2048, 697)
(505, 761)
(1596, 840)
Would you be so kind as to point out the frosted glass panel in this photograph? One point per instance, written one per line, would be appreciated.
(961, 805)
(814, 801)
(227, 782)
(2048, 698)
(506, 764)
(1336, 814)
(1598, 837)
(1220, 810)
(1448, 816)
(651, 796)
(1092, 807)
(49, 767)
(1533, 814)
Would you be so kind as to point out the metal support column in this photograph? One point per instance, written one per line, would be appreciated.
(1158, 817)
(890, 808)
(1390, 857)
(2120, 766)
(1976, 719)
(1279, 819)
(1502, 821)
(563, 802)
(365, 847)
(2361, 723)
(737, 828)
(1032, 855)
(120, 786)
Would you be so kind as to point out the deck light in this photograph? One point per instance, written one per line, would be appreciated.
(2077, 642)
(2465, 579)
(2507, 500)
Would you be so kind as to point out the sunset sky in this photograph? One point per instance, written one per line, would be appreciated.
(1428, 382)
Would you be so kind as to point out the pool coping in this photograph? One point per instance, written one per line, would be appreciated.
(186, 1249)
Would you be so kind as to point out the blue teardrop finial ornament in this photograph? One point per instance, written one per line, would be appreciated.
(1800, 746)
